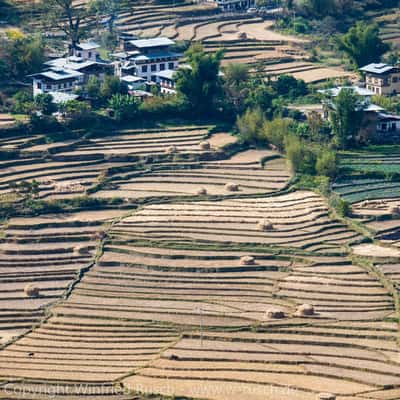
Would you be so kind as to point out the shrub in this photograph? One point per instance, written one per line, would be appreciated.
(327, 163)
(276, 131)
(125, 107)
(250, 125)
(342, 207)
(300, 155)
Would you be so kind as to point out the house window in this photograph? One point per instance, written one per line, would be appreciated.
(162, 67)
(395, 79)
(144, 68)
(171, 65)
(153, 68)
(39, 85)
(90, 54)
(383, 127)
(48, 87)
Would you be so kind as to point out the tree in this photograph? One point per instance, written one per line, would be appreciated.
(236, 74)
(276, 131)
(235, 85)
(300, 155)
(319, 7)
(362, 44)
(200, 85)
(93, 89)
(67, 17)
(76, 113)
(326, 163)
(112, 85)
(250, 125)
(107, 9)
(125, 107)
(21, 54)
(44, 104)
(287, 85)
(346, 117)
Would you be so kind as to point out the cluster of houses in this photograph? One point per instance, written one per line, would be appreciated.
(143, 63)
(140, 63)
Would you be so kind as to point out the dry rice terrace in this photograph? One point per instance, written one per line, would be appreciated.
(194, 286)
(245, 38)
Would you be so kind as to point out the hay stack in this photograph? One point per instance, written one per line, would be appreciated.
(205, 145)
(171, 150)
(275, 313)
(265, 225)
(326, 396)
(79, 250)
(232, 187)
(99, 235)
(202, 191)
(247, 260)
(305, 310)
(31, 290)
(395, 210)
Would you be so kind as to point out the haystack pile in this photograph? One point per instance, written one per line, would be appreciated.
(232, 187)
(171, 150)
(305, 310)
(265, 225)
(275, 313)
(247, 260)
(31, 290)
(202, 191)
(205, 145)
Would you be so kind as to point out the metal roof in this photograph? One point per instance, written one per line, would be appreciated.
(155, 42)
(59, 74)
(334, 92)
(62, 97)
(154, 56)
(132, 79)
(87, 46)
(166, 74)
(379, 68)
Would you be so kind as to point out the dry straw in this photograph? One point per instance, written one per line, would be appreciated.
(275, 313)
(202, 191)
(265, 225)
(232, 187)
(205, 145)
(247, 260)
(171, 150)
(31, 290)
(305, 310)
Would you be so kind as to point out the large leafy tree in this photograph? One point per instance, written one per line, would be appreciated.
(107, 9)
(21, 54)
(200, 84)
(67, 17)
(362, 44)
(346, 117)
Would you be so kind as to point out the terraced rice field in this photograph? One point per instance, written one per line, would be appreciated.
(245, 38)
(373, 195)
(194, 293)
(246, 169)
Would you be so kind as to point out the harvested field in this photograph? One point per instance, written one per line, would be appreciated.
(43, 252)
(299, 220)
(177, 179)
(196, 296)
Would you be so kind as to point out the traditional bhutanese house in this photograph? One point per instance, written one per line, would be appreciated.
(56, 80)
(146, 57)
(382, 79)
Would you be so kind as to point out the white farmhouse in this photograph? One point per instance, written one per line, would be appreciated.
(146, 57)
